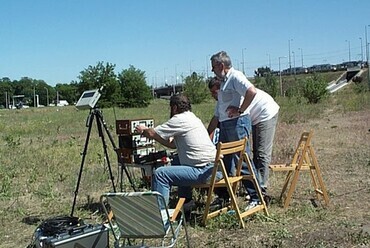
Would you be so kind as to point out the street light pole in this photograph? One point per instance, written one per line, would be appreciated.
(34, 96)
(349, 50)
(281, 82)
(362, 51)
(366, 47)
(243, 59)
(269, 60)
(294, 61)
(290, 62)
(301, 55)
(47, 97)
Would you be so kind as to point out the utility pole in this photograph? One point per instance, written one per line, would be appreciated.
(349, 50)
(34, 96)
(243, 59)
(6, 100)
(294, 62)
(290, 62)
(362, 51)
(47, 97)
(301, 55)
(269, 60)
(281, 82)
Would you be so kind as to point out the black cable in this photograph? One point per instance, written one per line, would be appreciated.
(59, 224)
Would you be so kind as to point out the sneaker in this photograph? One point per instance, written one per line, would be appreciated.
(252, 204)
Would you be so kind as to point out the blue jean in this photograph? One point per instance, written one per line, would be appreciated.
(183, 176)
(233, 130)
(263, 136)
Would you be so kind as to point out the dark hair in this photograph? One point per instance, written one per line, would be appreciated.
(181, 101)
(213, 81)
(222, 57)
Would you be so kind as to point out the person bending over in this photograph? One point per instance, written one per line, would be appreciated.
(263, 112)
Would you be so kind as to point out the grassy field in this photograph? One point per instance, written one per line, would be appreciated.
(40, 158)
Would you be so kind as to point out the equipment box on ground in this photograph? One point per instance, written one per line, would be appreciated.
(88, 237)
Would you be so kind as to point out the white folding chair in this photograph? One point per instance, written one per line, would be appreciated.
(140, 219)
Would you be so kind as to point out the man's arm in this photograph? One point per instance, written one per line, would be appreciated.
(248, 98)
(151, 134)
(212, 124)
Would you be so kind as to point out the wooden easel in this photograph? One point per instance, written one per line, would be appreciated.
(304, 159)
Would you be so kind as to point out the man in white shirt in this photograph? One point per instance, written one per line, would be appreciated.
(263, 111)
(235, 95)
(196, 152)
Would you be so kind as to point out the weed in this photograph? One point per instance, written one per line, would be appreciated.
(11, 141)
(360, 238)
(223, 221)
(280, 234)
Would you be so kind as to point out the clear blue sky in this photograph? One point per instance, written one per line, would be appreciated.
(56, 40)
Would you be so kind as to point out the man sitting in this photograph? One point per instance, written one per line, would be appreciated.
(196, 152)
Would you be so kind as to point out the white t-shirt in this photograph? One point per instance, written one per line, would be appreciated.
(193, 144)
(262, 108)
(231, 93)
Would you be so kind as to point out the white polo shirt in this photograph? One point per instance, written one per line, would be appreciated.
(193, 143)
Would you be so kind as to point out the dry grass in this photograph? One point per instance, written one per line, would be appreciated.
(40, 160)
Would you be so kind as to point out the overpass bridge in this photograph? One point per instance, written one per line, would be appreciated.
(345, 78)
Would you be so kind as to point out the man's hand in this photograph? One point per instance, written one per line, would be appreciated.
(140, 128)
(232, 111)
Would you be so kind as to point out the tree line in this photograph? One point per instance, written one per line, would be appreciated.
(129, 89)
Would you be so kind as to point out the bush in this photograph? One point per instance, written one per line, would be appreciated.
(314, 89)
(196, 89)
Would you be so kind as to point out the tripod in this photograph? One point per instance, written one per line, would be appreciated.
(96, 113)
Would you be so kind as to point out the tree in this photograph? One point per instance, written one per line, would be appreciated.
(7, 90)
(262, 71)
(314, 89)
(196, 88)
(68, 92)
(268, 83)
(134, 90)
(94, 77)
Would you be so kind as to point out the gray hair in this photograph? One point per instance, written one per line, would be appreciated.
(222, 57)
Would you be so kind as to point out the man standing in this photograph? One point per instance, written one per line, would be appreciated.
(185, 132)
(264, 114)
(234, 97)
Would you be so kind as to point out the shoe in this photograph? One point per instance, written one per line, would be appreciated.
(189, 206)
(267, 199)
(252, 204)
(219, 203)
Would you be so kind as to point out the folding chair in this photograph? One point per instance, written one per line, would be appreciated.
(231, 182)
(142, 219)
(304, 159)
